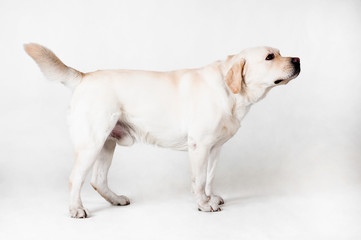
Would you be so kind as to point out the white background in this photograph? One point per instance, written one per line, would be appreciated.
(293, 171)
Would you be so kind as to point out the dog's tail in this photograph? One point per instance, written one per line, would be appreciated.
(52, 67)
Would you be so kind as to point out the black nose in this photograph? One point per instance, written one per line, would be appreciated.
(295, 60)
(296, 65)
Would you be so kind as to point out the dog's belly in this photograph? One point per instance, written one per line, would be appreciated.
(177, 142)
(166, 137)
(126, 134)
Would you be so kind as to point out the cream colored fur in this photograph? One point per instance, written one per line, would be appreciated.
(194, 110)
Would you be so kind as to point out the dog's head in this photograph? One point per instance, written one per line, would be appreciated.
(263, 67)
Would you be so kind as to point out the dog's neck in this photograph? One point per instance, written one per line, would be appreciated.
(244, 101)
(254, 93)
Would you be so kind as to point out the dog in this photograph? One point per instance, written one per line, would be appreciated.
(194, 110)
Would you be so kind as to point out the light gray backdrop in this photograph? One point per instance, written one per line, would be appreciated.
(303, 138)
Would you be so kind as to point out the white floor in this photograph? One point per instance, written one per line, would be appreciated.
(41, 213)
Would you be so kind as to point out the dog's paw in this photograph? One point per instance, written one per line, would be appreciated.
(79, 213)
(120, 201)
(209, 206)
(216, 199)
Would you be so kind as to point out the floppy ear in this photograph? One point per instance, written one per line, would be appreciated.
(235, 79)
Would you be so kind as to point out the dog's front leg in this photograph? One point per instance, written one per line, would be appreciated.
(198, 155)
(212, 163)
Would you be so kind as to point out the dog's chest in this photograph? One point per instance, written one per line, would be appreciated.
(230, 125)
(227, 129)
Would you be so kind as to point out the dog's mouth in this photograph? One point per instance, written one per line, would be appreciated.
(295, 73)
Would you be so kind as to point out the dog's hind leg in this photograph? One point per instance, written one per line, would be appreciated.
(83, 162)
(99, 179)
(89, 133)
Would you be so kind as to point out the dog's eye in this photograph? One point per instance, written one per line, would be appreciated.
(270, 56)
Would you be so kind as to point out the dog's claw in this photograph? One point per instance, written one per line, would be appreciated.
(217, 209)
(79, 213)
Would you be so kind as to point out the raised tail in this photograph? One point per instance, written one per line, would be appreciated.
(52, 67)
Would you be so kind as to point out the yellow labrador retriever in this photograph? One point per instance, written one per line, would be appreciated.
(194, 110)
